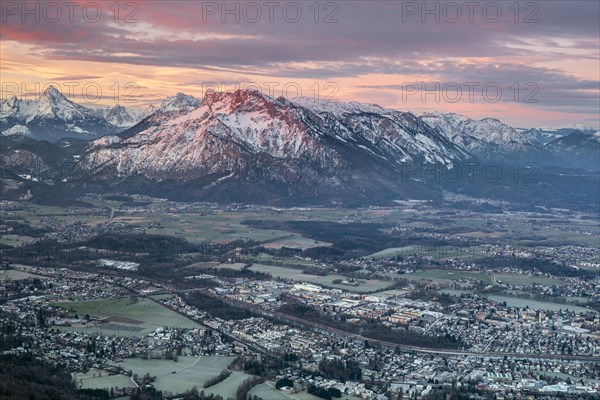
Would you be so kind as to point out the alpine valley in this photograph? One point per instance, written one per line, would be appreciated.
(247, 147)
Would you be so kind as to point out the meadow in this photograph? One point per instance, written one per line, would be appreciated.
(522, 303)
(171, 376)
(220, 226)
(187, 372)
(99, 379)
(371, 285)
(16, 275)
(14, 240)
(448, 275)
(488, 278)
(522, 279)
(126, 317)
(437, 253)
(267, 391)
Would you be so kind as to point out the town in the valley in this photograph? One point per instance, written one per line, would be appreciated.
(140, 296)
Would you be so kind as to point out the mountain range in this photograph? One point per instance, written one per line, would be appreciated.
(52, 116)
(245, 146)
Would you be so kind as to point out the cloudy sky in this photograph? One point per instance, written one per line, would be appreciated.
(526, 63)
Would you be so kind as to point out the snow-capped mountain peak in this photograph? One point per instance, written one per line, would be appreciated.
(579, 127)
(337, 107)
(52, 94)
(51, 116)
(52, 103)
(179, 102)
(121, 117)
(487, 138)
(236, 142)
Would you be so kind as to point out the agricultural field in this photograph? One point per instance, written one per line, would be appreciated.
(448, 275)
(267, 391)
(16, 275)
(371, 285)
(437, 253)
(392, 293)
(187, 372)
(125, 317)
(539, 305)
(456, 275)
(522, 279)
(98, 379)
(518, 302)
(235, 266)
(393, 252)
(223, 228)
(14, 240)
(294, 241)
(196, 227)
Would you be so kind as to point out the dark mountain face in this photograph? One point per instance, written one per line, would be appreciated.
(543, 136)
(578, 149)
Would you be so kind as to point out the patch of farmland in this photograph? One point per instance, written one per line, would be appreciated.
(524, 279)
(125, 317)
(98, 379)
(371, 285)
(448, 275)
(16, 275)
(187, 372)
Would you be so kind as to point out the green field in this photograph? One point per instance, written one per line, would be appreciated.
(393, 252)
(448, 275)
(14, 240)
(267, 391)
(521, 279)
(16, 275)
(127, 318)
(455, 275)
(202, 223)
(371, 285)
(437, 253)
(392, 293)
(522, 303)
(235, 266)
(221, 228)
(98, 379)
(197, 226)
(189, 372)
(538, 305)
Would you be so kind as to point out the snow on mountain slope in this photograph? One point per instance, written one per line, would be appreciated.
(579, 149)
(179, 102)
(545, 135)
(51, 117)
(488, 138)
(400, 133)
(336, 107)
(246, 136)
(255, 123)
(121, 117)
(205, 140)
(51, 104)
